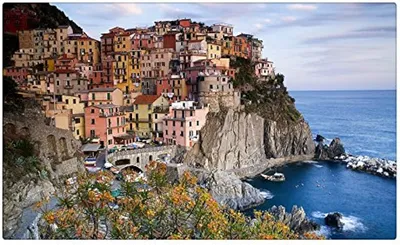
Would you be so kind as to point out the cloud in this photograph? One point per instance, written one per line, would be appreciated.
(124, 8)
(109, 11)
(267, 20)
(363, 33)
(288, 18)
(302, 7)
(171, 11)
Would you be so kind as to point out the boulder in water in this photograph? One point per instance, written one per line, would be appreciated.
(333, 220)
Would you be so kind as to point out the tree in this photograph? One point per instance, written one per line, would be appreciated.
(152, 208)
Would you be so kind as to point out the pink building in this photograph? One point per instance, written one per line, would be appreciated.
(18, 74)
(142, 41)
(182, 125)
(99, 118)
(66, 62)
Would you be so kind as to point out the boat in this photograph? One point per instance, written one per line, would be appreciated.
(277, 177)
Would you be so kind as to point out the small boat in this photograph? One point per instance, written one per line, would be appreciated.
(277, 177)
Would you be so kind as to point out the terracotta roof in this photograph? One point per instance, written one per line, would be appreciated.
(195, 41)
(145, 99)
(102, 90)
(108, 34)
(61, 71)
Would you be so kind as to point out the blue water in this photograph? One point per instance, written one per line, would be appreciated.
(366, 123)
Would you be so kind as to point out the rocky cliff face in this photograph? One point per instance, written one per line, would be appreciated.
(244, 142)
(229, 140)
(37, 160)
(267, 130)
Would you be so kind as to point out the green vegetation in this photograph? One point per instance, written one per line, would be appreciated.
(152, 209)
(268, 97)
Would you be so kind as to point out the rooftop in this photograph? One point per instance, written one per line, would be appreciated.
(106, 106)
(145, 99)
(102, 90)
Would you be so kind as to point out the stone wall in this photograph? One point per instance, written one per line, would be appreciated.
(58, 152)
(217, 100)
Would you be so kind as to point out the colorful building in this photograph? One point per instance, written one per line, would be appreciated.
(98, 96)
(68, 82)
(143, 108)
(106, 122)
(183, 124)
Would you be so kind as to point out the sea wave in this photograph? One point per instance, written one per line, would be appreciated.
(266, 194)
(311, 162)
(351, 223)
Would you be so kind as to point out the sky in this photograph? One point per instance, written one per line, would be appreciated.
(339, 46)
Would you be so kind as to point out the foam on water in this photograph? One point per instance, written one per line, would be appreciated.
(266, 194)
(311, 162)
(351, 223)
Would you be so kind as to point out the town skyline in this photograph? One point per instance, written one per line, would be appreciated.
(316, 46)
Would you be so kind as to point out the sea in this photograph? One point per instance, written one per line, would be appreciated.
(365, 121)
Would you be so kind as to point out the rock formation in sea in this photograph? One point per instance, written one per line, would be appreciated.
(296, 219)
(334, 220)
(324, 152)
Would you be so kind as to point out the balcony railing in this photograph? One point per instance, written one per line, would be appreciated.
(68, 86)
(119, 113)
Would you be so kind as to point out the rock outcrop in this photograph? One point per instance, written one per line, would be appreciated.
(333, 220)
(58, 158)
(227, 189)
(324, 152)
(296, 219)
(245, 142)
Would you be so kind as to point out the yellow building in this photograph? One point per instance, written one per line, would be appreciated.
(77, 115)
(213, 51)
(49, 64)
(144, 107)
(122, 42)
(88, 50)
(136, 69)
(123, 71)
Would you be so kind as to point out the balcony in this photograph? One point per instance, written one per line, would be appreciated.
(119, 113)
(141, 120)
(68, 86)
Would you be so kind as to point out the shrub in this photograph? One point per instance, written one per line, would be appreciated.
(152, 209)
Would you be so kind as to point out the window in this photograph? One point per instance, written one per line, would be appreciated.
(58, 83)
(190, 124)
(173, 123)
(92, 133)
(77, 132)
(149, 106)
(181, 134)
(91, 110)
(93, 96)
(166, 132)
(198, 123)
(155, 116)
(108, 96)
(74, 101)
(173, 133)
(166, 123)
(77, 120)
(93, 121)
(211, 86)
(181, 124)
(137, 107)
(109, 142)
(66, 101)
(109, 131)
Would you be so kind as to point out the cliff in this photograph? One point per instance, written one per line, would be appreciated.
(267, 131)
(37, 160)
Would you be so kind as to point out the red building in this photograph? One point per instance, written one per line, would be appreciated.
(108, 73)
(185, 22)
(169, 40)
(18, 74)
(96, 81)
